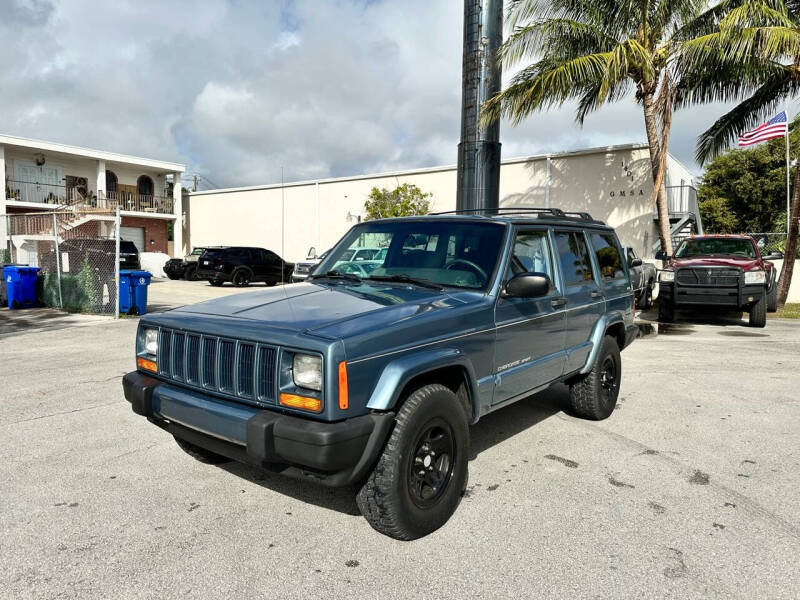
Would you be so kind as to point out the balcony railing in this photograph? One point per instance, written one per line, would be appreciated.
(61, 196)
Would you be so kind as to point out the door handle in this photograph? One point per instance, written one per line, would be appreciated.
(596, 293)
(558, 302)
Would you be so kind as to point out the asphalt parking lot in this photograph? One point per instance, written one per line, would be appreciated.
(688, 490)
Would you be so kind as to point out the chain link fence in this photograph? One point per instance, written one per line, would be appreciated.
(771, 242)
(77, 254)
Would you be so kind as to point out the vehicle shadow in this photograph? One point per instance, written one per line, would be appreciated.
(491, 430)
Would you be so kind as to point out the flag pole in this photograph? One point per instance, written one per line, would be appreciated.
(788, 166)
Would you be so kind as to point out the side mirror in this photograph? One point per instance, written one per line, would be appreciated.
(773, 256)
(661, 255)
(527, 285)
(636, 262)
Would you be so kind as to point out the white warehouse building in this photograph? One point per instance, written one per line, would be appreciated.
(611, 183)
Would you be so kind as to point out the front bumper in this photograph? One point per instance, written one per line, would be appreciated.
(738, 297)
(334, 454)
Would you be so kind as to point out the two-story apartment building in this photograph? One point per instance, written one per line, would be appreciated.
(86, 186)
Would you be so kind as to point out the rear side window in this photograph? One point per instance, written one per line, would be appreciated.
(127, 247)
(609, 258)
(238, 253)
(574, 257)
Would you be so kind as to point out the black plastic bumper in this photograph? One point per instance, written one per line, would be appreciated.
(739, 297)
(334, 454)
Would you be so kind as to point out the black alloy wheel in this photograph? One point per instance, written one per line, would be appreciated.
(431, 470)
(609, 380)
(241, 278)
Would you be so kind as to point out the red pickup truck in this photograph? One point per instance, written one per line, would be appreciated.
(725, 271)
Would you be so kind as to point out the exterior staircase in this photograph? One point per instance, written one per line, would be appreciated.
(684, 214)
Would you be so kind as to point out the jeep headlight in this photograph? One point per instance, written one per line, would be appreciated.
(751, 277)
(307, 371)
(151, 342)
(666, 276)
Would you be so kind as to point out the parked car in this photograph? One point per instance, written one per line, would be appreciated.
(718, 271)
(100, 252)
(374, 381)
(304, 267)
(186, 267)
(242, 266)
(643, 279)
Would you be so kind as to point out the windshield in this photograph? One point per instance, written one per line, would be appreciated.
(127, 247)
(447, 253)
(198, 251)
(716, 246)
(212, 254)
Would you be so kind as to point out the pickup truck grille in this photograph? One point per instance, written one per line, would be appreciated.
(234, 368)
(708, 276)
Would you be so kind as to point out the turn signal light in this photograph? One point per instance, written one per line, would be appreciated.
(343, 397)
(301, 402)
(147, 365)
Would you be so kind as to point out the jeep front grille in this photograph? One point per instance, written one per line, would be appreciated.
(234, 368)
(709, 276)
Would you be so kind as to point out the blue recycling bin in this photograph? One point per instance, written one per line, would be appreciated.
(133, 292)
(20, 285)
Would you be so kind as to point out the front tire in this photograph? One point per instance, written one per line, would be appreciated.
(201, 454)
(758, 313)
(215, 282)
(772, 298)
(666, 310)
(419, 479)
(190, 274)
(173, 276)
(241, 278)
(594, 396)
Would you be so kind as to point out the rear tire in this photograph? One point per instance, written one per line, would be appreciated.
(201, 454)
(758, 313)
(190, 274)
(173, 276)
(647, 297)
(772, 298)
(419, 479)
(594, 396)
(666, 311)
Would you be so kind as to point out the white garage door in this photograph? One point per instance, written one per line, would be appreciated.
(135, 235)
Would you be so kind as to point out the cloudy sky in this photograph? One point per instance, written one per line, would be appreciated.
(239, 88)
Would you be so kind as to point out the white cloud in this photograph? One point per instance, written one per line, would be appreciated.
(239, 89)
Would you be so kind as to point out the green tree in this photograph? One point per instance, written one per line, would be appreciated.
(745, 190)
(753, 58)
(599, 51)
(403, 201)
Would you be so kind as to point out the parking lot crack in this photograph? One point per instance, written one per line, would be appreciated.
(63, 412)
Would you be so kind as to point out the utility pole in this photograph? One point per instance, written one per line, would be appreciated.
(194, 183)
(479, 149)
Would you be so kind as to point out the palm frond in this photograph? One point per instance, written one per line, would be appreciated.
(567, 35)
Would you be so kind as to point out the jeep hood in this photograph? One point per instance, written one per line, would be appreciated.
(746, 264)
(333, 310)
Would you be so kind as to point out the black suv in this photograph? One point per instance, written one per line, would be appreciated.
(242, 265)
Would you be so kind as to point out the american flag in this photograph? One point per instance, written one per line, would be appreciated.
(776, 127)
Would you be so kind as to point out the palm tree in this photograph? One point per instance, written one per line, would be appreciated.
(757, 47)
(598, 51)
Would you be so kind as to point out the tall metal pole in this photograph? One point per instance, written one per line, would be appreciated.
(58, 261)
(479, 149)
(117, 222)
(788, 167)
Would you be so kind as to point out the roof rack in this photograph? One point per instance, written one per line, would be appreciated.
(581, 215)
(507, 209)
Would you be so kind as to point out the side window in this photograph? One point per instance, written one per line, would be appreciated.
(574, 256)
(268, 257)
(608, 256)
(531, 254)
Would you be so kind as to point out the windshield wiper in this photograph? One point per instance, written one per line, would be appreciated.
(334, 274)
(406, 279)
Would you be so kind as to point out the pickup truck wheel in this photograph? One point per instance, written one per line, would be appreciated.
(215, 282)
(201, 454)
(772, 298)
(758, 313)
(419, 479)
(666, 311)
(647, 297)
(190, 274)
(595, 395)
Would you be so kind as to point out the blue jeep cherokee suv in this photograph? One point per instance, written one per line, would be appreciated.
(375, 380)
